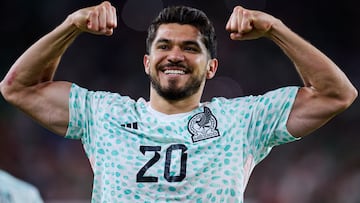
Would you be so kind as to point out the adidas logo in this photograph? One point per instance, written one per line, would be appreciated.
(130, 125)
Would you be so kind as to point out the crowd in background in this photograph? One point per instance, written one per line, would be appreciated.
(323, 167)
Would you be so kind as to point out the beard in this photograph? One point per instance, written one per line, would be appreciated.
(173, 92)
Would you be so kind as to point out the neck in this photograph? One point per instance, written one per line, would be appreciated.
(174, 106)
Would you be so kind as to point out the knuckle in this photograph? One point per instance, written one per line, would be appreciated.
(238, 9)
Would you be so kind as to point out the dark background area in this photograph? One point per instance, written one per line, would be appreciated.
(323, 167)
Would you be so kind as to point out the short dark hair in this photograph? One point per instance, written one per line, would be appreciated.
(184, 15)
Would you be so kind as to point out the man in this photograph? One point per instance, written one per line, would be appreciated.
(14, 190)
(172, 147)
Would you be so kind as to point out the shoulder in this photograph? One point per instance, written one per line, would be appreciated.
(77, 92)
(282, 94)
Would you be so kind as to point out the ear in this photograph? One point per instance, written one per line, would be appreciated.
(211, 68)
(146, 62)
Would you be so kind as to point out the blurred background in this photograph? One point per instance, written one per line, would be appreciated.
(323, 167)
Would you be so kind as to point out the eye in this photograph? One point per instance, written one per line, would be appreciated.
(191, 49)
(163, 46)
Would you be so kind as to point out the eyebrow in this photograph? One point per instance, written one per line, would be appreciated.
(162, 40)
(187, 42)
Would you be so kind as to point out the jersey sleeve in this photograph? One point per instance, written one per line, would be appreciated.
(85, 108)
(81, 102)
(270, 113)
(89, 114)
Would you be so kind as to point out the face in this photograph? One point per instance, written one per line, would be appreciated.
(178, 63)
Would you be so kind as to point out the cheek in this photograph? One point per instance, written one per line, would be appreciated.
(151, 66)
(200, 62)
(152, 71)
(202, 67)
(156, 60)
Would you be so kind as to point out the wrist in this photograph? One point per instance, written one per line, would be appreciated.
(276, 28)
(71, 23)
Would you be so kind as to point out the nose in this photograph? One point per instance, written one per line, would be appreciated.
(176, 55)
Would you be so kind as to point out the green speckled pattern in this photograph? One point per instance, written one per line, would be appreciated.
(141, 156)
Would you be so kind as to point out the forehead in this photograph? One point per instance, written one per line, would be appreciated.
(177, 32)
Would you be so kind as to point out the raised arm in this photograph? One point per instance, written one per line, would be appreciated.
(29, 83)
(326, 92)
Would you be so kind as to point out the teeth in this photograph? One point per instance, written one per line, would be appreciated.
(180, 72)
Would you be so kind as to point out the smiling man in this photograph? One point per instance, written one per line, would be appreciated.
(178, 66)
(173, 148)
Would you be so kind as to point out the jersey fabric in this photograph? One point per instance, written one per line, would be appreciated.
(140, 155)
(14, 190)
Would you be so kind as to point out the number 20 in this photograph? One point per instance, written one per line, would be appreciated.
(140, 175)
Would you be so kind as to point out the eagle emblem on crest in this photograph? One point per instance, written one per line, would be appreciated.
(203, 126)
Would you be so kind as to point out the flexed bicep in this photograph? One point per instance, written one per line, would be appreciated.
(48, 104)
(310, 111)
(29, 83)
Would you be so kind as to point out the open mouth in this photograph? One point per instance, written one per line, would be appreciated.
(174, 71)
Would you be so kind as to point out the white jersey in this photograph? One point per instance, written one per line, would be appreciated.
(14, 190)
(140, 155)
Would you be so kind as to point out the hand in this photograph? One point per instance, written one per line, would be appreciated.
(100, 19)
(245, 24)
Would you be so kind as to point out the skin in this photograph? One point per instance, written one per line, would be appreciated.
(181, 44)
(29, 83)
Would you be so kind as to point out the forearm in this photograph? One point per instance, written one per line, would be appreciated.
(39, 63)
(315, 68)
